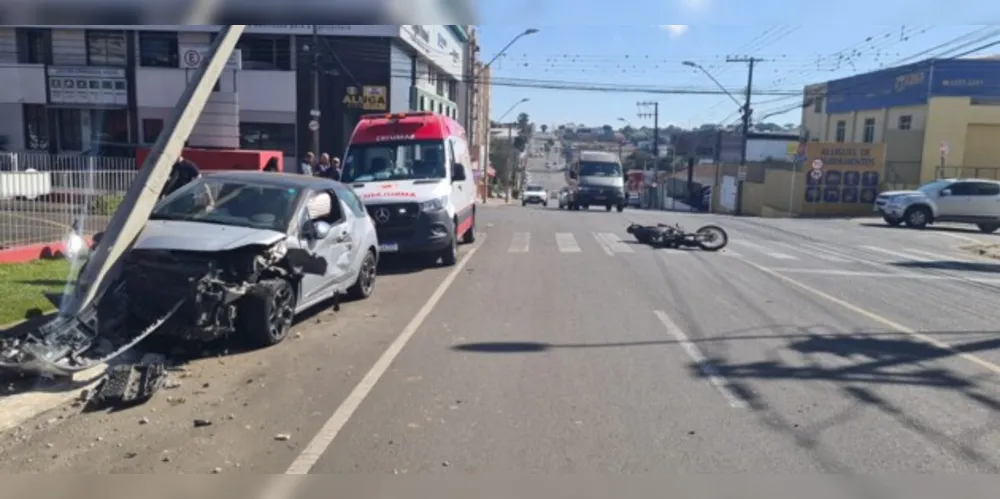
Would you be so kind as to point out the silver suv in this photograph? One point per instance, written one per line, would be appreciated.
(970, 201)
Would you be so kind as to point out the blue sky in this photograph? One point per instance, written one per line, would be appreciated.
(592, 41)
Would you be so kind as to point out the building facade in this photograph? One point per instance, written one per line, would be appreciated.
(935, 117)
(102, 89)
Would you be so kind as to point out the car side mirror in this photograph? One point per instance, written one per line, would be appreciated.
(316, 230)
(458, 172)
(946, 193)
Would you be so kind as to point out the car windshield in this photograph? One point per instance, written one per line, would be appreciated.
(534, 188)
(230, 202)
(600, 169)
(933, 186)
(409, 160)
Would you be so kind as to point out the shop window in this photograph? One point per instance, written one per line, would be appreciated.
(158, 49)
(70, 129)
(841, 131)
(34, 46)
(268, 137)
(266, 52)
(905, 122)
(869, 132)
(151, 129)
(36, 127)
(106, 48)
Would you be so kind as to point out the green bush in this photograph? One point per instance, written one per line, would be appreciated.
(106, 204)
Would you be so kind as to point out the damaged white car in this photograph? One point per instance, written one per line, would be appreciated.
(234, 254)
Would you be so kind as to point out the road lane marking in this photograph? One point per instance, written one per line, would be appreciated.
(886, 275)
(614, 243)
(603, 244)
(944, 258)
(985, 364)
(567, 243)
(898, 254)
(706, 368)
(822, 253)
(764, 250)
(731, 253)
(322, 441)
(520, 242)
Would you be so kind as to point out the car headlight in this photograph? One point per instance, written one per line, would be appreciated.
(435, 204)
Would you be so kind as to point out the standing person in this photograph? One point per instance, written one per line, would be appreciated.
(182, 173)
(335, 170)
(306, 168)
(323, 168)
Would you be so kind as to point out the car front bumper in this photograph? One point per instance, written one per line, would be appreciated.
(535, 200)
(599, 198)
(428, 232)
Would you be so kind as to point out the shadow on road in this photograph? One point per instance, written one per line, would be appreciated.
(935, 228)
(856, 364)
(950, 265)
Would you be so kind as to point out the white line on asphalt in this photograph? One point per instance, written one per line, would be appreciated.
(766, 251)
(321, 442)
(603, 244)
(704, 366)
(943, 258)
(886, 275)
(898, 254)
(729, 252)
(817, 252)
(520, 242)
(615, 243)
(956, 236)
(567, 243)
(895, 326)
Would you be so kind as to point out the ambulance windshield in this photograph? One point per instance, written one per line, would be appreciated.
(393, 161)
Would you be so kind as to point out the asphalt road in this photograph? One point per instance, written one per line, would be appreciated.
(560, 346)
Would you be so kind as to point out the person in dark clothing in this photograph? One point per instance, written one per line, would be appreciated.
(271, 165)
(183, 172)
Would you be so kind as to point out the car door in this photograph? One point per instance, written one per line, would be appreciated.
(985, 200)
(334, 246)
(955, 200)
(358, 228)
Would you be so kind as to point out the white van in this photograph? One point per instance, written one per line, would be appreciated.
(412, 170)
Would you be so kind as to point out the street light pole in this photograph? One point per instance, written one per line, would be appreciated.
(510, 138)
(747, 112)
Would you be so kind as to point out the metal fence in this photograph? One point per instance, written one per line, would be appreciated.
(966, 171)
(41, 195)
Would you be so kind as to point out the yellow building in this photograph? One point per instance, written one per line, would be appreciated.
(939, 117)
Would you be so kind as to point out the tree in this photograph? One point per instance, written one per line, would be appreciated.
(503, 157)
(524, 125)
(544, 128)
(608, 129)
(551, 143)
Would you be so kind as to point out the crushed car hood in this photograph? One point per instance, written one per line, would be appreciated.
(195, 236)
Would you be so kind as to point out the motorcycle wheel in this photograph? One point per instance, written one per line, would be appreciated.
(712, 238)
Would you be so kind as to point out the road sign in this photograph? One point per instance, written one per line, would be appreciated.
(313, 126)
(816, 174)
(314, 113)
(192, 58)
(817, 164)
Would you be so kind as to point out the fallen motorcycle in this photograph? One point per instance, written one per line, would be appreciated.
(708, 238)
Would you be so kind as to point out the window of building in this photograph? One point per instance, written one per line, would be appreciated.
(841, 131)
(108, 126)
(905, 122)
(34, 46)
(268, 137)
(869, 132)
(440, 87)
(70, 130)
(36, 127)
(106, 48)
(151, 128)
(818, 105)
(453, 90)
(423, 104)
(158, 49)
(266, 52)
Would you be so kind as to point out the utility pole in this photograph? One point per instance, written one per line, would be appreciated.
(648, 109)
(747, 112)
(314, 112)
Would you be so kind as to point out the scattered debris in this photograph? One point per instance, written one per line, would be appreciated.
(216, 471)
(128, 384)
(282, 437)
(144, 421)
(201, 423)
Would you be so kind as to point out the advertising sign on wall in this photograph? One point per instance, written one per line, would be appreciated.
(89, 86)
(437, 43)
(369, 98)
(844, 177)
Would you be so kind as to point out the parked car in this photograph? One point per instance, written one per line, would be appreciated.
(970, 201)
(535, 194)
(563, 197)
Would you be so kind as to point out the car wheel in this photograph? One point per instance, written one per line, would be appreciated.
(267, 312)
(607, 208)
(470, 235)
(524, 203)
(988, 228)
(365, 285)
(893, 222)
(917, 217)
(449, 256)
(621, 208)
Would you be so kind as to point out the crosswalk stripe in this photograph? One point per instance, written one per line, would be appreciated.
(603, 244)
(520, 242)
(567, 243)
(764, 250)
(614, 243)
